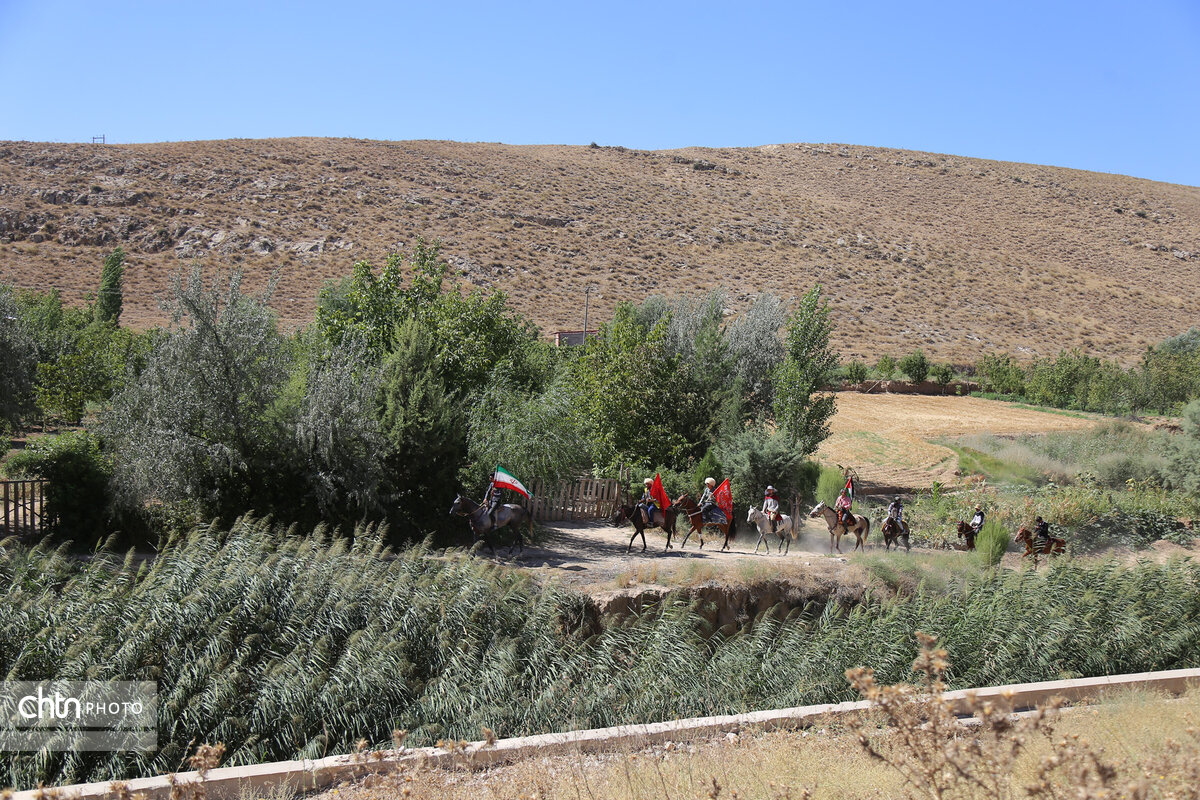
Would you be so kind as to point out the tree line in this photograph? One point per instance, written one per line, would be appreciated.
(402, 392)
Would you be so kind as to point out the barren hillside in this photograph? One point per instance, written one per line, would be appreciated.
(955, 255)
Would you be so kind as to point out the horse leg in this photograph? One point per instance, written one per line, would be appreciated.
(686, 536)
(631, 538)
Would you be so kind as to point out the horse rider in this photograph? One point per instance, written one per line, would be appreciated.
(895, 511)
(648, 502)
(492, 501)
(977, 520)
(1041, 532)
(842, 506)
(770, 507)
(708, 500)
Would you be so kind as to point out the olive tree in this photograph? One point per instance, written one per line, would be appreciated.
(197, 424)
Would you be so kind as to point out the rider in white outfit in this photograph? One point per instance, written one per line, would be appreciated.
(770, 507)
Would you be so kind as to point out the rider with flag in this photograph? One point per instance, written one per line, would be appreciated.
(649, 502)
(708, 503)
(501, 479)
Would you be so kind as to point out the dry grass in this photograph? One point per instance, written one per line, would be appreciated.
(1133, 728)
(885, 437)
(954, 255)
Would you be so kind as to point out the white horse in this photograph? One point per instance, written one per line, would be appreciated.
(785, 528)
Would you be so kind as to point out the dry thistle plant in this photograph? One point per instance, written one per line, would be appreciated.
(939, 757)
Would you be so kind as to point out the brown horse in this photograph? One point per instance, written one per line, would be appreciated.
(860, 526)
(509, 514)
(966, 533)
(895, 533)
(688, 506)
(1052, 547)
(662, 519)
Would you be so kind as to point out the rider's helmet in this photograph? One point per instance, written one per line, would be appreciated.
(710, 481)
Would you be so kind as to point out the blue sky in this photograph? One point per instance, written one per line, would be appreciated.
(1103, 86)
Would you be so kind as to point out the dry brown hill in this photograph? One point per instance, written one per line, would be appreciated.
(955, 255)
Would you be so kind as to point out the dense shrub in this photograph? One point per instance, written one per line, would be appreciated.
(886, 367)
(18, 360)
(855, 371)
(992, 542)
(77, 493)
(754, 459)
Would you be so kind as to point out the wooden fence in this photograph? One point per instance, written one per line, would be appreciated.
(22, 505)
(583, 498)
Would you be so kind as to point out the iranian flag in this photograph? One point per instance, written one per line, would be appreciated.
(724, 497)
(659, 493)
(505, 480)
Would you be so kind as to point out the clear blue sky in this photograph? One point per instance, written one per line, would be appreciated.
(1106, 86)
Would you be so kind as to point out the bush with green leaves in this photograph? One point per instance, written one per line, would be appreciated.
(757, 350)
(754, 459)
(885, 367)
(1000, 374)
(77, 474)
(915, 365)
(830, 483)
(992, 542)
(1185, 452)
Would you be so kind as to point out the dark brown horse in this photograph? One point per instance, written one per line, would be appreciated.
(689, 507)
(967, 534)
(662, 519)
(509, 514)
(895, 533)
(1053, 546)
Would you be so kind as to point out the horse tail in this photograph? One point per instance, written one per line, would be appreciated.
(866, 526)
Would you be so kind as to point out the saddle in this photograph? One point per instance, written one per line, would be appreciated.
(713, 516)
(848, 520)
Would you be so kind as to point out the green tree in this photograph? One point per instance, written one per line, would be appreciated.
(110, 296)
(18, 360)
(754, 459)
(1185, 452)
(886, 367)
(915, 365)
(855, 371)
(802, 408)
(197, 426)
(77, 494)
(942, 374)
(1001, 374)
(757, 351)
(425, 426)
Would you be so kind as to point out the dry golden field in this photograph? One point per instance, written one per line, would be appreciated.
(956, 255)
(886, 437)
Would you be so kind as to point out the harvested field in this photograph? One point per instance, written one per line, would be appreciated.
(886, 437)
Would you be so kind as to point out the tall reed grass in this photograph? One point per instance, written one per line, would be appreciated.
(286, 645)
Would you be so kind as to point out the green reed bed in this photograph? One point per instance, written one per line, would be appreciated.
(284, 645)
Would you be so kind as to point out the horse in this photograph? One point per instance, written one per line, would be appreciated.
(895, 534)
(688, 506)
(860, 527)
(1053, 546)
(786, 525)
(661, 519)
(967, 533)
(509, 514)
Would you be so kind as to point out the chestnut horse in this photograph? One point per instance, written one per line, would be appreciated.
(688, 506)
(967, 533)
(1052, 547)
(895, 533)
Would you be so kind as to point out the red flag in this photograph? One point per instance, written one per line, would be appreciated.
(724, 497)
(658, 493)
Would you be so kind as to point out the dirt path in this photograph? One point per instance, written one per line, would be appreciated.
(591, 556)
(885, 436)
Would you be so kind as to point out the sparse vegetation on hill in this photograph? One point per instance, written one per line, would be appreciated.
(954, 255)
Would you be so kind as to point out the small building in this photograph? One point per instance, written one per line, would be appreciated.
(572, 338)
